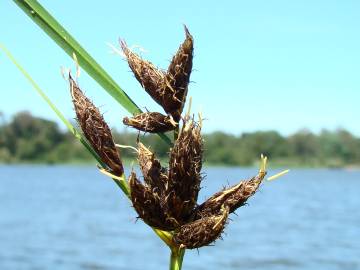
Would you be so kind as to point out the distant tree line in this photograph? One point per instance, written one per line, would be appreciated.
(31, 139)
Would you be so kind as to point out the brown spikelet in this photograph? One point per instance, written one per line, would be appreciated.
(178, 76)
(201, 232)
(148, 206)
(184, 171)
(154, 175)
(95, 129)
(152, 122)
(150, 77)
(233, 197)
(168, 89)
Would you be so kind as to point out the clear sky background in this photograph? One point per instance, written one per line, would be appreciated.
(259, 65)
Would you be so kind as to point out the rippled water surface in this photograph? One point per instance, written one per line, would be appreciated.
(65, 217)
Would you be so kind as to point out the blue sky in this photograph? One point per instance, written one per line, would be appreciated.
(259, 65)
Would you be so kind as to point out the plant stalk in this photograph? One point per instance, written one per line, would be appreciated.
(176, 258)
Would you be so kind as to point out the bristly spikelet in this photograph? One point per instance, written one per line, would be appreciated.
(152, 122)
(233, 197)
(148, 205)
(168, 89)
(201, 232)
(184, 171)
(95, 129)
(178, 76)
(154, 175)
(150, 77)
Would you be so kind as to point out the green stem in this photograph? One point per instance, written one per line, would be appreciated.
(176, 259)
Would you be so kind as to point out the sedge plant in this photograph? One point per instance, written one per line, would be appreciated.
(167, 198)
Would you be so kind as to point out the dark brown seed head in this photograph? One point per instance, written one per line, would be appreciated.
(150, 77)
(184, 171)
(201, 232)
(155, 176)
(168, 89)
(148, 206)
(178, 76)
(95, 129)
(233, 197)
(152, 122)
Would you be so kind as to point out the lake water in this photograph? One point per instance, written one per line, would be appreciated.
(67, 217)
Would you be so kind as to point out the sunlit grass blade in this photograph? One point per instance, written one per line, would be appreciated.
(37, 88)
(50, 25)
(71, 128)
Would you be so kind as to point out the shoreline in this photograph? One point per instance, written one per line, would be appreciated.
(130, 163)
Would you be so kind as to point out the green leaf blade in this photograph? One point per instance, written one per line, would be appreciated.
(121, 183)
(63, 38)
(48, 23)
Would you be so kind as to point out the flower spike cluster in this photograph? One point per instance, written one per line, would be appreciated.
(168, 88)
(168, 196)
(167, 199)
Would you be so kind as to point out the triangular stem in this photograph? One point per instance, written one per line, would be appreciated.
(176, 259)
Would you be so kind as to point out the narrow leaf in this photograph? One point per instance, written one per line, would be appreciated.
(71, 128)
